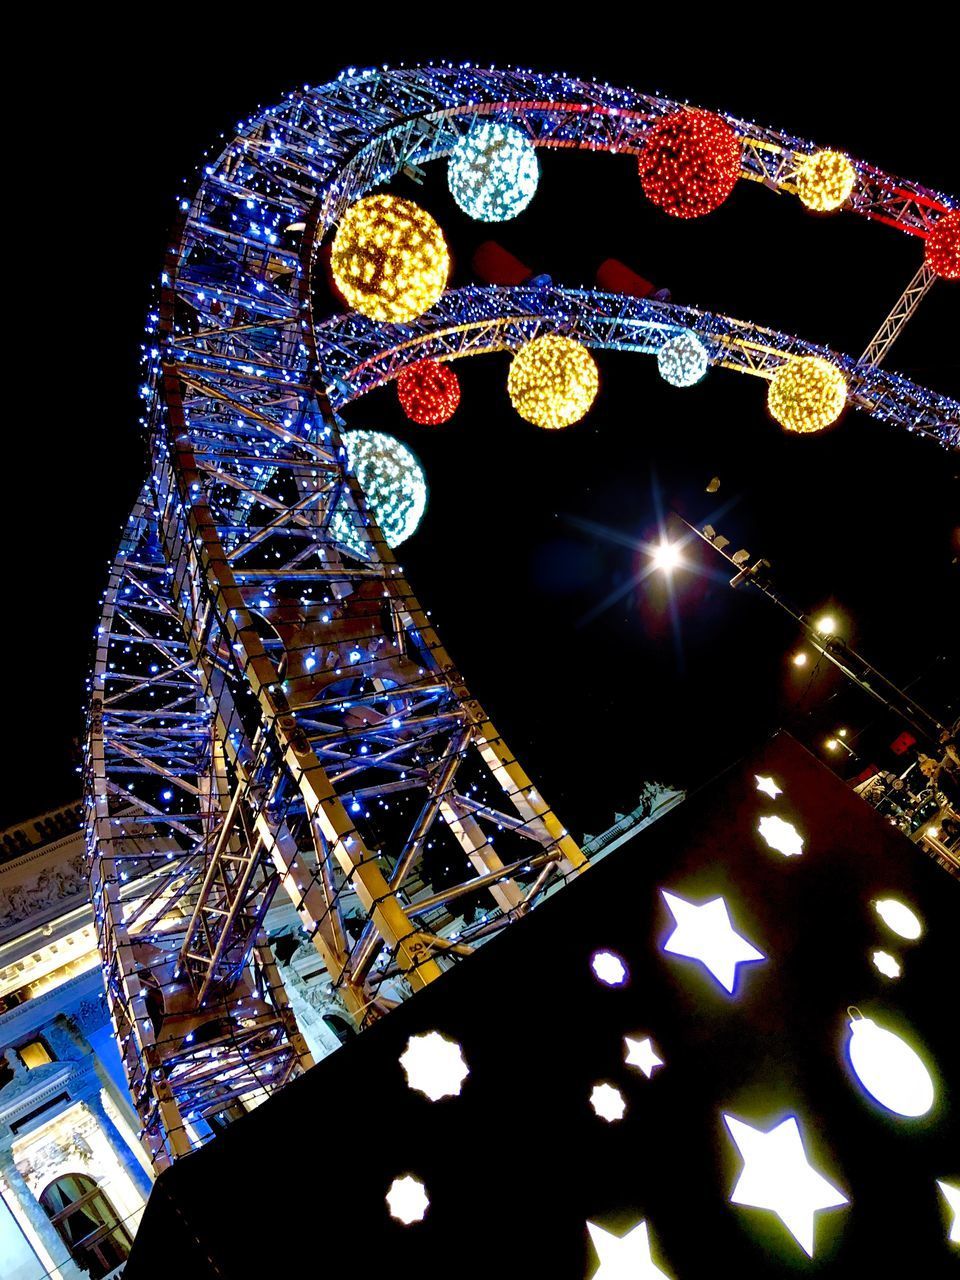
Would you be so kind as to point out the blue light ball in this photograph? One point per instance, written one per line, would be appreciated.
(493, 172)
(682, 360)
(395, 486)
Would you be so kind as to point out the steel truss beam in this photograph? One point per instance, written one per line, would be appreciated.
(271, 708)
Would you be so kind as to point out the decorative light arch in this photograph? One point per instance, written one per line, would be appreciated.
(220, 767)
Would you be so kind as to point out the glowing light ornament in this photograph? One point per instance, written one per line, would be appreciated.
(641, 1054)
(493, 172)
(395, 486)
(952, 1196)
(429, 392)
(608, 1102)
(778, 1176)
(434, 1065)
(407, 1199)
(806, 394)
(887, 964)
(553, 381)
(689, 163)
(705, 933)
(682, 360)
(624, 1257)
(889, 1070)
(897, 916)
(609, 968)
(942, 250)
(780, 835)
(389, 258)
(768, 786)
(825, 180)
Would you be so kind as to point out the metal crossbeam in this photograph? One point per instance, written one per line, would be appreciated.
(896, 321)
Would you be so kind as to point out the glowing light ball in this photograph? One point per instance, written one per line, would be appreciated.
(429, 392)
(690, 162)
(553, 381)
(395, 486)
(807, 394)
(824, 180)
(942, 251)
(682, 360)
(389, 258)
(493, 172)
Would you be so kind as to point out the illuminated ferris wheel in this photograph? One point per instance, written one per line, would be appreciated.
(271, 708)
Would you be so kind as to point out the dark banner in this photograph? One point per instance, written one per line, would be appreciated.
(726, 1050)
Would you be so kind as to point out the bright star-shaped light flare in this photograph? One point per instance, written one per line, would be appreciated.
(777, 1175)
(624, 1257)
(952, 1196)
(434, 1065)
(888, 965)
(768, 786)
(608, 1102)
(609, 968)
(780, 835)
(705, 933)
(640, 1053)
(407, 1200)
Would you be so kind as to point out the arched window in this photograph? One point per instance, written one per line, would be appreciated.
(87, 1224)
(339, 1026)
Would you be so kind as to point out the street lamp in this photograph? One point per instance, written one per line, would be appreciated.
(666, 556)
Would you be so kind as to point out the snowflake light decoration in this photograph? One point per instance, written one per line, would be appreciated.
(434, 1065)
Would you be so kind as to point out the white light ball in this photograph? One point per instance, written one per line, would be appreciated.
(682, 360)
(395, 486)
(493, 172)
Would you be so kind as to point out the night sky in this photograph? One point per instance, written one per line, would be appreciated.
(861, 518)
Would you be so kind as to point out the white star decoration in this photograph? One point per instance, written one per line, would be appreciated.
(780, 835)
(608, 1102)
(624, 1257)
(434, 1065)
(705, 933)
(640, 1053)
(407, 1199)
(777, 1176)
(952, 1197)
(768, 785)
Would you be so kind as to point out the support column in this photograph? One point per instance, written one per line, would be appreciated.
(131, 1165)
(38, 1223)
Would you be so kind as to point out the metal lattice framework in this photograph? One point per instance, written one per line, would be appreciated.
(273, 711)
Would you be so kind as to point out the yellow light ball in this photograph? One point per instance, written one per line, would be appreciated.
(553, 381)
(389, 258)
(807, 394)
(825, 180)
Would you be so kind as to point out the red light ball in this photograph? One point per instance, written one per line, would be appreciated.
(942, 252)
(429, 392)
(690, 162)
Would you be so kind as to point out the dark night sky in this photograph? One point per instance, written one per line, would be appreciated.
(862, 517)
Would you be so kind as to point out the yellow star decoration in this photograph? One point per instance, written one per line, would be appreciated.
(768, 786)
